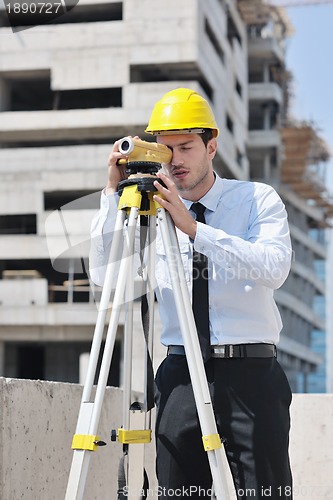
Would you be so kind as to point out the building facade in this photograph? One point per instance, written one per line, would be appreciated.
(292, 157)
(67, 91)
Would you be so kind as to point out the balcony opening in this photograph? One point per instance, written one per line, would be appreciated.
(262, 72)
(31, 361)
(56, 200)
(214, 40)
(36, 95)
(169, 72)
(87, 98)
(255, 74)
(238, 88)
(229, 123)
(256, 117)
(93, 13)
(55, 361)
(30, 94)
(239, 158)
(232, 30)
(263, 116)
(18, 224)
(84, 141)
(67, 277)
(263, 164)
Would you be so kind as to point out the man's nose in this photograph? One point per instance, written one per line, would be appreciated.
(177, 160)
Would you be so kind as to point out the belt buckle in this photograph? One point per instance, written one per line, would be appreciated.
(220, 351)
(225, 351)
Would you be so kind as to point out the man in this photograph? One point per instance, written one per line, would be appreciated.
(242, 236)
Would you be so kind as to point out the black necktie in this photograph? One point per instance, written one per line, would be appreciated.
(200, 302)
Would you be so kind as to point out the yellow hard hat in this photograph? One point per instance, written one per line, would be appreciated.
(179, 111)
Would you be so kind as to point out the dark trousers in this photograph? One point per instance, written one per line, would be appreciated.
(251, 399)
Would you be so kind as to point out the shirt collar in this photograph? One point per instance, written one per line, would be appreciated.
(211, 199)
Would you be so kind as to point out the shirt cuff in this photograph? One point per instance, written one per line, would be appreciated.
(205, 242)
(109, 201)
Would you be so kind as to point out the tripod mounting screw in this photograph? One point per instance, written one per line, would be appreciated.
(100, 443)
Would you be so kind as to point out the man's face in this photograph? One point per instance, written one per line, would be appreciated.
(191, 165)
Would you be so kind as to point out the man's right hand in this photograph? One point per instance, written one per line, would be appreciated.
(116, 173)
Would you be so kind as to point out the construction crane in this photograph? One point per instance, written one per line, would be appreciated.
(297, 3)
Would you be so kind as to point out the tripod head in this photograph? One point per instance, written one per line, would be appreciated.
(144, 161)
(143, 157)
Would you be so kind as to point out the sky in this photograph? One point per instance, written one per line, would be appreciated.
(309, 57)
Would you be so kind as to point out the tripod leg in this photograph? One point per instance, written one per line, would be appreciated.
(84, 441)
(114, 321)
(140, 416)
(114, 258)
(132, 418)
(150, 326)
(128, 338)
(211, 440)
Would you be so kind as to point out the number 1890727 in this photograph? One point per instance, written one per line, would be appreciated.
(33, 8)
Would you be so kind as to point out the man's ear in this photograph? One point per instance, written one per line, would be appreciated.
(212, 148)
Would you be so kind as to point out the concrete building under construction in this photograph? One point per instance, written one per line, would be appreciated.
(69, 89)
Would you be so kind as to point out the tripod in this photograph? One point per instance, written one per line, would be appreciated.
(137, 199)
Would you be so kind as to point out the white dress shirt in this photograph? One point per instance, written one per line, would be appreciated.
(246, 239)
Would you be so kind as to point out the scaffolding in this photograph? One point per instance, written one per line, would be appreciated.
(304, 153)
(261, 13)
(303, 165)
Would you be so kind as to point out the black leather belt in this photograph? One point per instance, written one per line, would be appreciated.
(233, 351)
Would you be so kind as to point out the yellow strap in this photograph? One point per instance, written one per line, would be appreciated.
(85, 442)
(211, 442)
(131, 197)
(134, 436)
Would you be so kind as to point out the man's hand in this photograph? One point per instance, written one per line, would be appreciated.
(116, 173)
(171, 201)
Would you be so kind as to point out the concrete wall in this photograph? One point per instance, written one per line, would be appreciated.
(311, 449)
(38, 419)
(37, 422)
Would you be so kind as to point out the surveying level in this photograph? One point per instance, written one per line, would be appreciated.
(136, 198)
(149, 153)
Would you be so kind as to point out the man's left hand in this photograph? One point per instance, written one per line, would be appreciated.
(170, 200)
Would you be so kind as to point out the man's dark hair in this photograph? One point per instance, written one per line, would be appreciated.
(206, 136)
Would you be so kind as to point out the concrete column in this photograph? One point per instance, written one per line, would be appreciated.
(84, 361)
(265, 73)
(4, 95)
(267, 117)
(2, 359)
(267, 166)
(70, 293)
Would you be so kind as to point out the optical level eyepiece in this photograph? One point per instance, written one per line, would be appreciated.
(144, 151)
(126, 145)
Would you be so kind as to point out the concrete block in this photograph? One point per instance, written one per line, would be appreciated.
(77, 69)
(265, 92)
(311, 446)
(38, 420)
(23, 292)
(20, 196)
(164, 11)
(23, 246)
